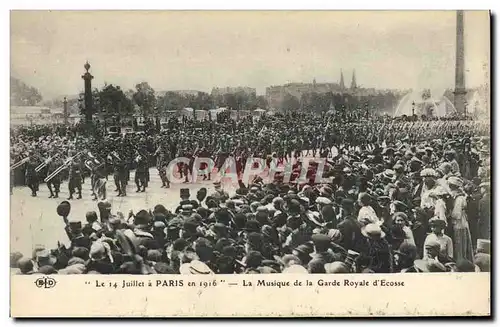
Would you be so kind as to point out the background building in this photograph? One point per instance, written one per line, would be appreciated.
(275, 95)
(220, 91)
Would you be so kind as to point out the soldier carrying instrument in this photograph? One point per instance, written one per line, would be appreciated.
(119, 173)
(56, 180)
(98, 176)
(163, 159)
(141, 173)
(75, 178)
(31, 175)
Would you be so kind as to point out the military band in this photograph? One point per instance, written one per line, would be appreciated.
(31, 175)
(54, 185)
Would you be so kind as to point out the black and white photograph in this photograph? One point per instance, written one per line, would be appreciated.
(249, 142)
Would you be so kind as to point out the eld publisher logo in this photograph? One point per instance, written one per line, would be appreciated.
(45, 282)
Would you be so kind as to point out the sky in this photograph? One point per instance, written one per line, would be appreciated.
(198, 50)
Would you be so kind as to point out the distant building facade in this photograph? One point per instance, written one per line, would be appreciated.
(180, 92)
(218, 91)
(276, 94)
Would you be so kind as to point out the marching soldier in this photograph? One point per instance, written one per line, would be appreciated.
(56, 180)
(100, 178)
(32, 176)
(120, 175)
(162, 164)
(75, 178)
(141, 173)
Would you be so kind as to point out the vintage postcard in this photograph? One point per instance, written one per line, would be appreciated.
(269, 162)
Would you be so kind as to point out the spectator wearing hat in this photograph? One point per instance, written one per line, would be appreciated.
(400, 176)
(322, 248)
(366, 214)
(25, 266)
(297, 232)
(482, 260)
(429, 176)
(190, 230)
(255, 242)
(195, 267)
(252, 261)
(348, 179)
(104, 210)
(158, 232)
(92, 228)
(465, 266)
(205, 251)
(101, 259)
(295, 269)
(336, 267)
(172, 231)
(46, 270)
(404, 257)
(429, 265)
(445, 243)
(142, 226)
(316, 266)
(303, 252)
(462, 240)
(75, 233)
(377, 249)
(483, 246)
(450, 157)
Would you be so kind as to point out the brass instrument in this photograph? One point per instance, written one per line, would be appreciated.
(93, 158)
(19, 163)
(45, 163)
(62, 167)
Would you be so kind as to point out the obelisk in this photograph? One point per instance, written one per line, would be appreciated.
(88, 101)
(459, 66)
(65, 111)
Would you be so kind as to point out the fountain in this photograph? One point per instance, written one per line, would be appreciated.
(425, 102)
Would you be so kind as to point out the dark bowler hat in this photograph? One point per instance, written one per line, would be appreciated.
(252, 225)
(142, 218)
(255, 239)
(63, 209)
(321, 240)
(184, 192)
(201, 194)
(305, 249)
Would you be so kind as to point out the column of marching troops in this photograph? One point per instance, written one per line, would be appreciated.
(77, 167)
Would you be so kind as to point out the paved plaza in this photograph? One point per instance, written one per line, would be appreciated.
(34, 220)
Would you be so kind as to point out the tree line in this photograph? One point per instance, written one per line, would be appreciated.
(144, 100)
(22, 94)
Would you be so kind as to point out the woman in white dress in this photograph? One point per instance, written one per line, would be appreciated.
(462, 241)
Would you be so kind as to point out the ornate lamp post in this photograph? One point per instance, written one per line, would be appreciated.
(87, 77)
